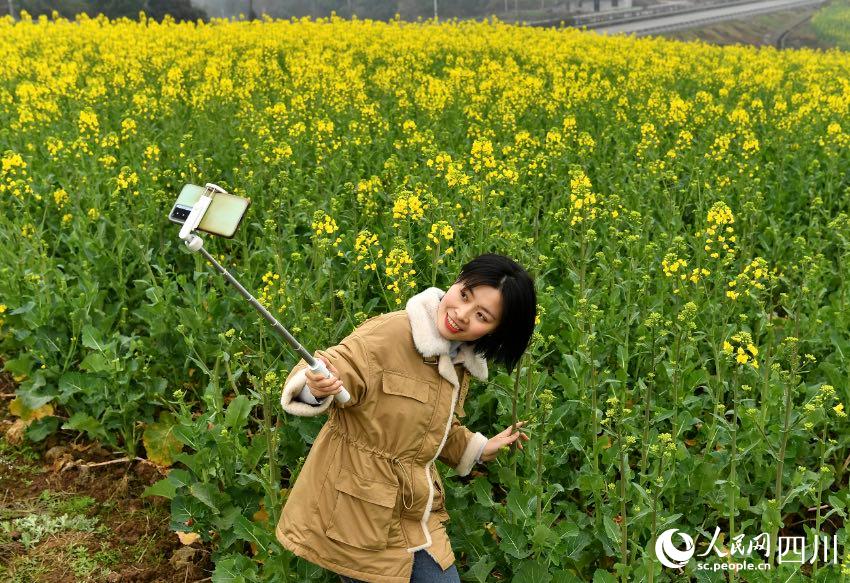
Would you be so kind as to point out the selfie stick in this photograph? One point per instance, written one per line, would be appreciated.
(196, 244)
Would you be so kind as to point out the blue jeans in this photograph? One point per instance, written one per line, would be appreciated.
(425, 570)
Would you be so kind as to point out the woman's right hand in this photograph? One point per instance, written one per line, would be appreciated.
(320, 386)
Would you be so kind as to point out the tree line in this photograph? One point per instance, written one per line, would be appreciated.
(204, 9)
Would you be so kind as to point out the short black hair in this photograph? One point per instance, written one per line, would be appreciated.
(508, 342)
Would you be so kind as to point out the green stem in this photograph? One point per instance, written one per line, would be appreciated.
(515, 399)
(790, 384)
(539, 488)
(647, 408)
(624, 529)
(820, 495)
(732, 464)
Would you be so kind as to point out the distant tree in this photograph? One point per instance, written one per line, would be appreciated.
(65, 8)
(375, 9)
(179, 9)
(157, 9)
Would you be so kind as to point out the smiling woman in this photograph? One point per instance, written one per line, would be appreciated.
(492, 304)
(368, 503)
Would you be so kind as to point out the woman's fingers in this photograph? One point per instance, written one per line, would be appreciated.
(319, 384)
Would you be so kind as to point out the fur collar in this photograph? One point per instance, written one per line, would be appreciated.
(422, 311)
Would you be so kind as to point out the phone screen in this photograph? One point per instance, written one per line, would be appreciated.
(222, 217)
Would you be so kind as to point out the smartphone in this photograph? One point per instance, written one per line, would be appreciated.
(222, 217)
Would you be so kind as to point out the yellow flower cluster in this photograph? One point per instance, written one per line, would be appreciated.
(363, 246)
(665, 447)
(366, 199)
(823, 399)
(740, 346)
(60, 197)
(54, 146)
(719, 234)
(400, 277)
(13, 176)
(87, 123)
(440, 231)
(482, 155)
(751, 280)
(323, 226)
(675, 267)
(408, 206)
(273, 294)
(671, 265)
(583, 201)
(128, 128)
(126, 180)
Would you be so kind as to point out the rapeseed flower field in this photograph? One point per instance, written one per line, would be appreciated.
(683, 208)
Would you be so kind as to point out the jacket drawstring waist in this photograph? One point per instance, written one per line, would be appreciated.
(406, 480)
(404, 470)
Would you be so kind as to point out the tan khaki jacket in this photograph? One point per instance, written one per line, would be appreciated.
(369, 494)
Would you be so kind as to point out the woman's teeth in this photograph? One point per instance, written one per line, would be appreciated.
(452, 324)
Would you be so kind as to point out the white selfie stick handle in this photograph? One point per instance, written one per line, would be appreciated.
(194, 218)
(342, 396)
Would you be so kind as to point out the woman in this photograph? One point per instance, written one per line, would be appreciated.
(368, 503)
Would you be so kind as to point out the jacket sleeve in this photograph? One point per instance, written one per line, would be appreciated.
(462, 448)
(351, 361)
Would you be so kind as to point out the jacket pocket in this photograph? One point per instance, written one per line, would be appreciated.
(394, 383)
(363, 511)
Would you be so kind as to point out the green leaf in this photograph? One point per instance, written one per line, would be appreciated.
(513, 540)
(23, 309)
(482, 567)
(247, 530)
(26, 404)
(541, 536)
(22, 365)
(520, 504)
(72, 383)
(41, 428)
(182, 509)
(837, 505)
(238, 411)
(209, 494)
(165, 488)
(669, 521)
(601, 576)
(161, 445)
(565, 577)
(180, 477)
(91, 338)
(611, 529)
(227, 518)
(95, 362)
(234, 569)
(532, 571)
(86, 423)
(566, 528)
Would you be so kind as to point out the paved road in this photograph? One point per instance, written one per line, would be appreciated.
(693, 19)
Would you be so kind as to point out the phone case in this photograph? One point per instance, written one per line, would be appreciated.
(222, 217)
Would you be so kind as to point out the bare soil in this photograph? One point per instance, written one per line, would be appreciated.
(130, 542)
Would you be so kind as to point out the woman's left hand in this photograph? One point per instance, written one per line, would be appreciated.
(502, 440)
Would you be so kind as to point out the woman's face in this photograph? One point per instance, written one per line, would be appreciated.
(465, 314)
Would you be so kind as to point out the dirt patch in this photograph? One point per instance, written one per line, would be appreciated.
(63, 518)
